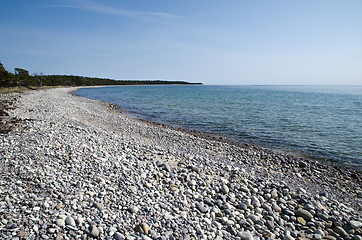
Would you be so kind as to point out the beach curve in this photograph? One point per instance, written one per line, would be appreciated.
(79, 168)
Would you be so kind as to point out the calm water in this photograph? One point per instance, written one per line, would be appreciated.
(318, 121)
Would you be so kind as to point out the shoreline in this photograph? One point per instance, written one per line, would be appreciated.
(86, 170)
(241, 143)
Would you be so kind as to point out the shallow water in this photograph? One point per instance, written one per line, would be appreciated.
(318, 121)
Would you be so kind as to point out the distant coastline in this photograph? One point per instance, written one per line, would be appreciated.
(22, 78)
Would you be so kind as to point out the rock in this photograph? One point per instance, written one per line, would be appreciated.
(301, 220)
(60, 222)
(133, 209)
(329, 237)
(255, 202)
(132, 188)
(192, 183)
(225, 189)
(269, 235)
(253, 218)
(316, 236)
(303, 164)
(270, 225)
(288, 237)
(142, 228)
(173, 187)
(21, 234)
(99, 206)
(357, 237)
(208, 201)
(276, 208)
(274, 194)
(94, 231)
(304, 214)
(70, 221)
(119, 236)
(195, 169)
(145, 237)
(201, 208)
(36, 208)
(245, 236)
(231, 230)
(51, 230)
(46, 205)
(328, 224)
(355, 224)
(340, 231)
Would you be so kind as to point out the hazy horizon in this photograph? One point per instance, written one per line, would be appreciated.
(214, 42)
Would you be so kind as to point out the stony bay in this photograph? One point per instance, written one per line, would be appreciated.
(74, 168)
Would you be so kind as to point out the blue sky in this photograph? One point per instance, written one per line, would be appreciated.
(209, 41)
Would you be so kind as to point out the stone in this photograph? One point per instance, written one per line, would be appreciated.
(46, 205)
(94, 231)
(274, 194)
(231, 230)
(133, 209)
(355, 224)
(303, 164)
(301, 220)
(328, 224)
(70, 221)
(340, 231)
(201, 208)
(270, 225)
(357, 237)
(145, 237)
(132, 188)
(276, 208)
(288, 237)
(142, 228)
(253, 218)
(60, 222)
(245, 236)
(330, 237)
(51, 230)
(255, 202)
(99, 206)
(225, 189)
(304, 214)
(119, 236)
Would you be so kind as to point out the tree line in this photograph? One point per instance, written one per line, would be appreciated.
(21, 77)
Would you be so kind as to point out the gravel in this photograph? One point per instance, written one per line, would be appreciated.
(74, 168)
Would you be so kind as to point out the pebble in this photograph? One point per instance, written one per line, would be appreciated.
(60, 222)
(94, 231)
(143, 228)
(201, 208)
(73, 170)
(355, 224)
(304, 214)
(133, 209)
(119, 236)
(99, 206)
(70, 221)
(225, 189)
(245, 236)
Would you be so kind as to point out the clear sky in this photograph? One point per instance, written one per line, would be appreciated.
(209, 41)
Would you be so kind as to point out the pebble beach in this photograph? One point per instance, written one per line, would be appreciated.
(75, 168)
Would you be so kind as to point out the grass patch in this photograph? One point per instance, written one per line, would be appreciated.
(13, 89)
(23, 89)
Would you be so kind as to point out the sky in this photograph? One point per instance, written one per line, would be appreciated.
(236, 42)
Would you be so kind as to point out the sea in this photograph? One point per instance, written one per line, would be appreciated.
(319, 122)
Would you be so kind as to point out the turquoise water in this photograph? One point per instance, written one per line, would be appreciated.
(318, 121)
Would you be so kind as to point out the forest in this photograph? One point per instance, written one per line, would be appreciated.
(22, 78)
